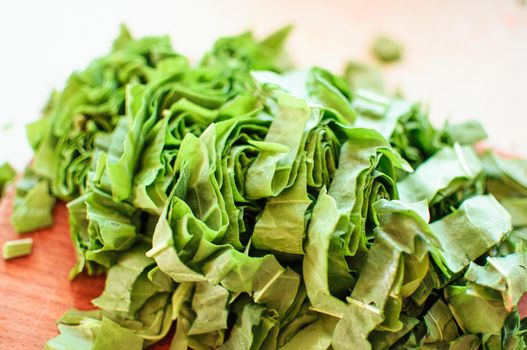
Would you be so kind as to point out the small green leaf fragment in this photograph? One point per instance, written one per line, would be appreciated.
(17, 248)
(387, 49)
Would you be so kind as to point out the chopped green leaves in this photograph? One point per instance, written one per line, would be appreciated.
(480, 223)
(506, 274)
(445, 172)
(33, 204)
(469, 132)
(260, 207)
(386, 49)
(16, 248)
(7, 174)
(363, 76)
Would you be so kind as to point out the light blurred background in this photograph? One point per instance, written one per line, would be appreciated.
(465, 59)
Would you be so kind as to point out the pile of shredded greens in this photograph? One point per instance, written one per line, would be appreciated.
(253, 206)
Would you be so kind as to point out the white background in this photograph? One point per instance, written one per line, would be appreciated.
(465, 59)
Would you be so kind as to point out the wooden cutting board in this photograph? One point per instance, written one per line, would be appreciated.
(35, 290)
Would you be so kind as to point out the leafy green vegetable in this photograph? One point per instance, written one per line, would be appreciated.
(473, 308)
(209, 303)
(7, 174)
(91, 333)
(16, 248)
(271, 170)
(252, 328)
(259, 207)
(444, 180)
(386, 49)
(440, 323)
(480, 221)
(111, 335)
(33, 204)
(362, 76)
(468, 132)
(506, 274)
